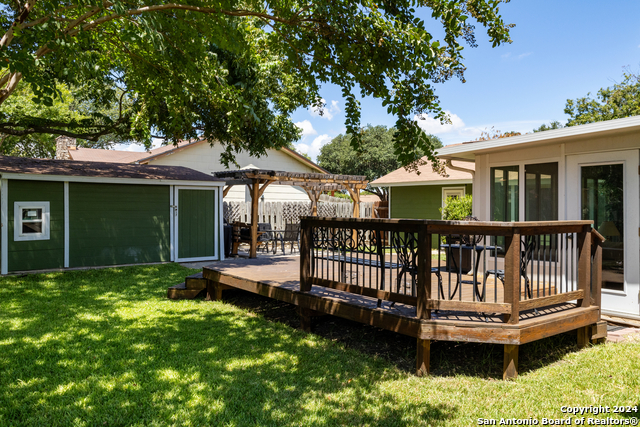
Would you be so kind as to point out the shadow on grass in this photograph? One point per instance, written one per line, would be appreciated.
(106, 347)
(447, 358)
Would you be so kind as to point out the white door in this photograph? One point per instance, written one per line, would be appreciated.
(604, 187)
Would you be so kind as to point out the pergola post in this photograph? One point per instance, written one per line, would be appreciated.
(355, 195)
(255, 197)
(314, 195)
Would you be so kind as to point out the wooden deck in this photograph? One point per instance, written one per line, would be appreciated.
(279, 278)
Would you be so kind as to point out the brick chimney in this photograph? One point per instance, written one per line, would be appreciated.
(63, 145)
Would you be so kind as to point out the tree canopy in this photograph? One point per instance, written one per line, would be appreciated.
(231, 71)
(615, 102)
(375, 157)
(554, 124)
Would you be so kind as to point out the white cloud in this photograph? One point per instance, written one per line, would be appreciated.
(329, 110)
(313, 149)
(307, 128)
(434, 126)
(507, 56)
(129, 147)
(137, 148)
(457, 131)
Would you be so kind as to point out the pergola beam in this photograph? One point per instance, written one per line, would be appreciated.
(314, 184)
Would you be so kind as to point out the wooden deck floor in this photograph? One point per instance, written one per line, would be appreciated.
(279, 278)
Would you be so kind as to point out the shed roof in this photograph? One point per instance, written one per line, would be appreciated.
(22, 165)
(427, 176)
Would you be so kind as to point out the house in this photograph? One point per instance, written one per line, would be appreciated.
(587, 172)
(205, 158)
(420, 196)
(66, 214)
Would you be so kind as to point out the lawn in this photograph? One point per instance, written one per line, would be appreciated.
(105, 347)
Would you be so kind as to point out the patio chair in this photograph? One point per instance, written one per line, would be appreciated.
(528, 247)
(405, 245)
(290, 234)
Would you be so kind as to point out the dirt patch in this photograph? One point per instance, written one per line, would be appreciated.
(447, 358)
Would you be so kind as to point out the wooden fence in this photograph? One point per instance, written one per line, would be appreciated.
(280, 213)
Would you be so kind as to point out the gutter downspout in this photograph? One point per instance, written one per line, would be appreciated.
(458, 168)
(473, 182)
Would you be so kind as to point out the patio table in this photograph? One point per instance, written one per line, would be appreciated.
(479, 249)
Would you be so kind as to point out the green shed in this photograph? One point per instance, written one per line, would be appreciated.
(67, 214)
(421, 195)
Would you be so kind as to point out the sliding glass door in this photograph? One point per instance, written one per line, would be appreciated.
(604, 188)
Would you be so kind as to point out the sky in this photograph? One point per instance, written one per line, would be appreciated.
(561, 49)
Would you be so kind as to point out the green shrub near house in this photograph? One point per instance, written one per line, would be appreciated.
(457, 208)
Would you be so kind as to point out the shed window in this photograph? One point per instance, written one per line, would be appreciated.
(31, 221)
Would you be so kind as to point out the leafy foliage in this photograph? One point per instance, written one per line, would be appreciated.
(457, 208)
(552, 125)
(620, 100)
(375, 157)
(493, 133)
(20, 107)
(233, 71)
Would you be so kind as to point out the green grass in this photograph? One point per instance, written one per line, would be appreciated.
(105, 347)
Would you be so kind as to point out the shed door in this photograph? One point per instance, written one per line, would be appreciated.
(603, 187)
(197, 224)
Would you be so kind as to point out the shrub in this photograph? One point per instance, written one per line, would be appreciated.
(457, 209)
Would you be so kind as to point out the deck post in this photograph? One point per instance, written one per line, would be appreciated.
(584, 265)
(423, 280)
(423, 355)
(214, 291)
(512, 277)
(305, 319)
(584, 336)
(305, 256)
(510, 366)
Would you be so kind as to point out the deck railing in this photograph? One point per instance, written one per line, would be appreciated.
(479, 267)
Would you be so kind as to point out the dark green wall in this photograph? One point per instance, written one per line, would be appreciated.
(419, 201)
(118, 224)
(37, 254)
(196, 223)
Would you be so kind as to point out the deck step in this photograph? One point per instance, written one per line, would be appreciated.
(196, 281)
(180, 291)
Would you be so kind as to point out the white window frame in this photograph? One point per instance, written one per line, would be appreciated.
(18, 236)
(522, 182)
(452, 191)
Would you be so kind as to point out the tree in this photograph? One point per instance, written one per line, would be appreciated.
(233, 71)
(493, 133)
(21, 107)
(552, 125)
(620, 100)
(376, 155)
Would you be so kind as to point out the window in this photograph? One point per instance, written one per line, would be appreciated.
(504, 194)
(541, 196)
(31, 221)
(454, 192)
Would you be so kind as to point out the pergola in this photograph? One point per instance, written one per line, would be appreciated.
(313, 183)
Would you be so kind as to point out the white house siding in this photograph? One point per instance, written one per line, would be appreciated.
(584, 149)
(205, 158)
